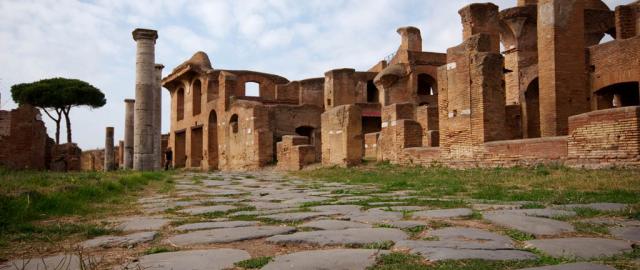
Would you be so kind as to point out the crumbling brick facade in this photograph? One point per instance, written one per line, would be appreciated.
(23, 139)
(552, 96)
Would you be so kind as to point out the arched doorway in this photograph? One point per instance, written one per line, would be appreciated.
(212, 148)
(306, 131)
(531, 110)
(618, 95)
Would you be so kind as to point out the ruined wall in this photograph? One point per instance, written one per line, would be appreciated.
(303, 120)
(92, 160)
(427, 117)
(392, 137)
(23, 139)
(66, 157)
(248, 137)
(342, 140)
(294, 152)
(605, 138)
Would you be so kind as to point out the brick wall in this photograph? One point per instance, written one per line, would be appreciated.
(342, 140)
(294, 152)
(605, 138)
(23, 139)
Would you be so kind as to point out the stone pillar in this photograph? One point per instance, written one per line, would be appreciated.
(411, 38)
(143, 134)
(109, 155)
(561, 53)
(120, 158)
(129, 110)
(157, 118)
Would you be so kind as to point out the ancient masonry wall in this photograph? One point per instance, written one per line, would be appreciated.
(23, 139)
(342, 136)
(605, 138)
(295, 152)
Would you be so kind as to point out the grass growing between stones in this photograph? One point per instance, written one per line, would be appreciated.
(403, 261)
(254, 263)
(28, 199)
(542, 184)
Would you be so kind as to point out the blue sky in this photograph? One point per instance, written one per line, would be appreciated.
(91, 41)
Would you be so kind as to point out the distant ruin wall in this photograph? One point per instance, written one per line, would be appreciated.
(23, 139)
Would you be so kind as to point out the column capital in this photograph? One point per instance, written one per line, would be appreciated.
(129, 100)
(159, 66)
(140, 33)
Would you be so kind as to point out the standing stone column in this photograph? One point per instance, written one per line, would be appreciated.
(157, 118)
(129, 110)
(143, 139)
(109, 155)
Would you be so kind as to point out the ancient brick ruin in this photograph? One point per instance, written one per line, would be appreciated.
(530, 84)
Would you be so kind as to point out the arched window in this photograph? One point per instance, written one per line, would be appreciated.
(233, 123)
(532, 110)
(426, 85)
(372, 92)
(197, 97)
(180, 103)
(252, 89)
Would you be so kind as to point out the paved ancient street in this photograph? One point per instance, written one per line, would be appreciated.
(214, 220)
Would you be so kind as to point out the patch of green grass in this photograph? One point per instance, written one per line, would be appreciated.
(475, 215)
(519, 236)
(156, 250)
(590, 228)
(540, 184)
(385, 245)
(27, 197)
(533, 205)
(415, 231)
(254, 263)
(588, 212)
(399, 261)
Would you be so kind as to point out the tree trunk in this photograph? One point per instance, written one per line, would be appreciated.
(56, 120)
(66, 117)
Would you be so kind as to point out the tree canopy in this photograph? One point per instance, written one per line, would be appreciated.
(59, 95)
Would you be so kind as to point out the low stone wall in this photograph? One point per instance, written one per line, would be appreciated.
(294, 152)
(92, 160)
(605, 138)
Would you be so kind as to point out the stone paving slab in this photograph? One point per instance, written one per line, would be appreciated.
(66, 262)
(228, 235)
(406, 224)
(443, 213)
(626, 233)
(330, 224)
(299, 216)
(532, 225)
(334, 259)
(573, 266)
(215, 225)
(213, 259)
(438, 253)
(207, 209)
(142, 223)
(545, 212)
(119, 241)
(374, 216)
(342, 209)
(341, 237)
(470, 238)
(584, 248)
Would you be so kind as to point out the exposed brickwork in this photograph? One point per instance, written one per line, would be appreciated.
(342, 136)
(23, 139)
(605, 138)
(294, 152)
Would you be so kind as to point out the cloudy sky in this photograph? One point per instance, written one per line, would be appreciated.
(91, 41)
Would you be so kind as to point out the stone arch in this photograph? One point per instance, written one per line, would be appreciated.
(212, 146)
(180, 104)
(531, 110)
(196, 86)
(618, 95)
(426, 85)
